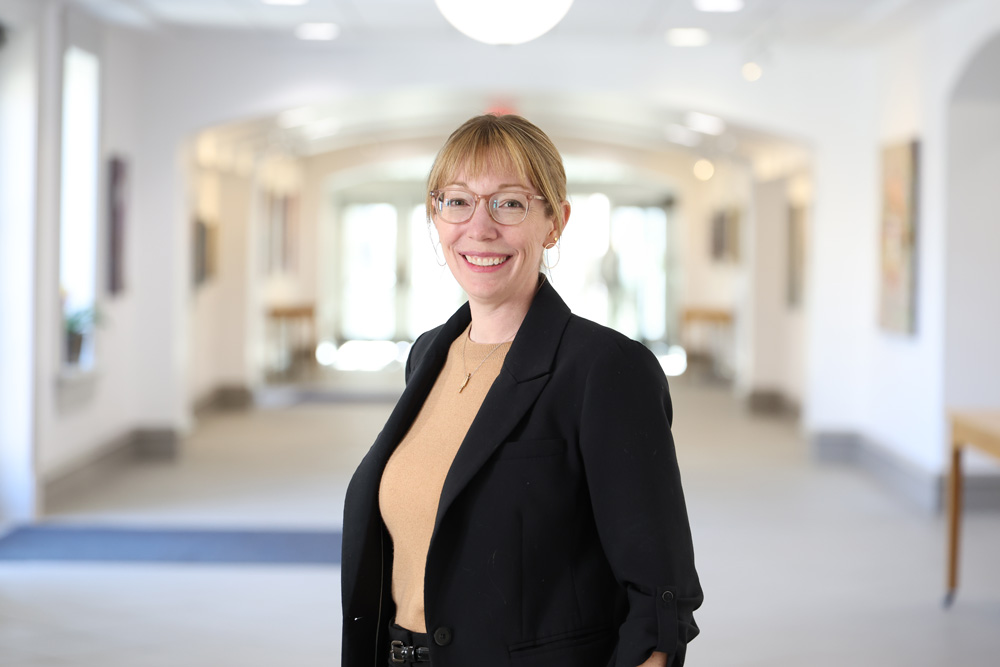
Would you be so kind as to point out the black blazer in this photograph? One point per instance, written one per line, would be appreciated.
(561, 538)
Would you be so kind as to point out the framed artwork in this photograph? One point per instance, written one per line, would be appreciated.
(796, 272)
(898, 272)
(206, 249)
(281, 233)
(199, 261)
(117, 197)
(725, 235)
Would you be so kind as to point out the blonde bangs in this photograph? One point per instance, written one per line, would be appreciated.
(501, 144)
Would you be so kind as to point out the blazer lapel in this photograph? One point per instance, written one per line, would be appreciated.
(422, 378)
(525, 372)
(365, 523)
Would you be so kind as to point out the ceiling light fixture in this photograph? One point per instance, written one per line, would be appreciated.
(517, 22)
(285, 3)
(752, 71)
(718, 5)
(321, 32)
(687, 37)
(704, 170)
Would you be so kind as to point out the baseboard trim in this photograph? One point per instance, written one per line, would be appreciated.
(925, 490)
(225, 397)
(771, 402)
(148, 444)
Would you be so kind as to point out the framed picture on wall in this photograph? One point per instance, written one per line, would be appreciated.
(117, 196)
(725, 235)
(206, 250)
(898, 271)
(796, 254)
(199, 260)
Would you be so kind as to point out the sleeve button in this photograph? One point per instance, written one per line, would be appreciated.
(442, 636)
(667, 596)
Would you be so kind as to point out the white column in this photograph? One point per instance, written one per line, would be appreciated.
(18, 142)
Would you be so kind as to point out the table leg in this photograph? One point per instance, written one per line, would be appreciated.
(954, 520)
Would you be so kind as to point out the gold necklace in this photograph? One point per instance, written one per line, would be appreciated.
(468, 375)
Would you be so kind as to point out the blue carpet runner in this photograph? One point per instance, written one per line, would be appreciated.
(136, 545)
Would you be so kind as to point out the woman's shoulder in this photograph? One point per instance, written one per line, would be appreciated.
(608, 365)
(594, 344)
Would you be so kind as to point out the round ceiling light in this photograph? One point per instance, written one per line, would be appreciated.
(752, 71)
(507, 22)
(704, 169)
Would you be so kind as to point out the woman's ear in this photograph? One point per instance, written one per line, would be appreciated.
(556, 232)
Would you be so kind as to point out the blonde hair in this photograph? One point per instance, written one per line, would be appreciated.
(507, 143)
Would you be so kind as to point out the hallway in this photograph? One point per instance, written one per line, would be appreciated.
(803, 565)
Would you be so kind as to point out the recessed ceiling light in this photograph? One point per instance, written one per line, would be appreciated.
(704, 123)
(718, 5)
(317, 31)
(687, 37)
(704, 169)
(286, 3)
(752, 71)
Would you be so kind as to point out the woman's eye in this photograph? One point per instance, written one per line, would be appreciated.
(510, 203)
(454, 202)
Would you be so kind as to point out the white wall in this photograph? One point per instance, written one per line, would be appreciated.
(768, 251)
(18, 137)
(775, 337)
(972, 330)
(903, 381)
(218, 348)
(79, 414)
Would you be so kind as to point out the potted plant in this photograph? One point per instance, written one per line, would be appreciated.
(78, 324)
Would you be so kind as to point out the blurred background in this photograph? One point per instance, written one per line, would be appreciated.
(214, 256)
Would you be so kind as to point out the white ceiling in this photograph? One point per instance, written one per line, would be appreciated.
(762, 21)
(365, 23)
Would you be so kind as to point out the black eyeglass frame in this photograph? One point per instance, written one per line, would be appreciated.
(527, 207)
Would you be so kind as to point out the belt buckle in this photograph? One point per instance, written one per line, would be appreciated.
(397, 652)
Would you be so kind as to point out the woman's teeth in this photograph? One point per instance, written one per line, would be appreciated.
(484, 261)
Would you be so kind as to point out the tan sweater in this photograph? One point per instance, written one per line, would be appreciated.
(414, 475)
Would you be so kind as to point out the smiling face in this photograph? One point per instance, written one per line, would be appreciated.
(497, 265)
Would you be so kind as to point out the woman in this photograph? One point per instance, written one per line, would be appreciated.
(522, 505)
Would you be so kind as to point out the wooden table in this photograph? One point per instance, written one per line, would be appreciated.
(717, 321)
(293, 328)
(981, 430)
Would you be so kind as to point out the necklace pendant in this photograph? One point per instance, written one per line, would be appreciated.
(465, 382)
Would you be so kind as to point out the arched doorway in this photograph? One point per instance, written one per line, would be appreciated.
(634, 193)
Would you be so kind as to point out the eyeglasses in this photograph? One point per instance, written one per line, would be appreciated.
(457, 206)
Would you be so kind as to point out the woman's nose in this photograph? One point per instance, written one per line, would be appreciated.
(482, 224)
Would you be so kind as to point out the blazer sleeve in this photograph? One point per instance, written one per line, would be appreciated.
(639, 509)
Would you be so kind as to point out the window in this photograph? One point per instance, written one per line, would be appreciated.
(612, 266)
(78, 203)
(434, 293)
(369, 295)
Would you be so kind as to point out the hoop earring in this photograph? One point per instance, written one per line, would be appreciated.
(436, 247)
(545, 255)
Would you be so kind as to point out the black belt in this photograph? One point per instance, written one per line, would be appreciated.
(399, 654)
